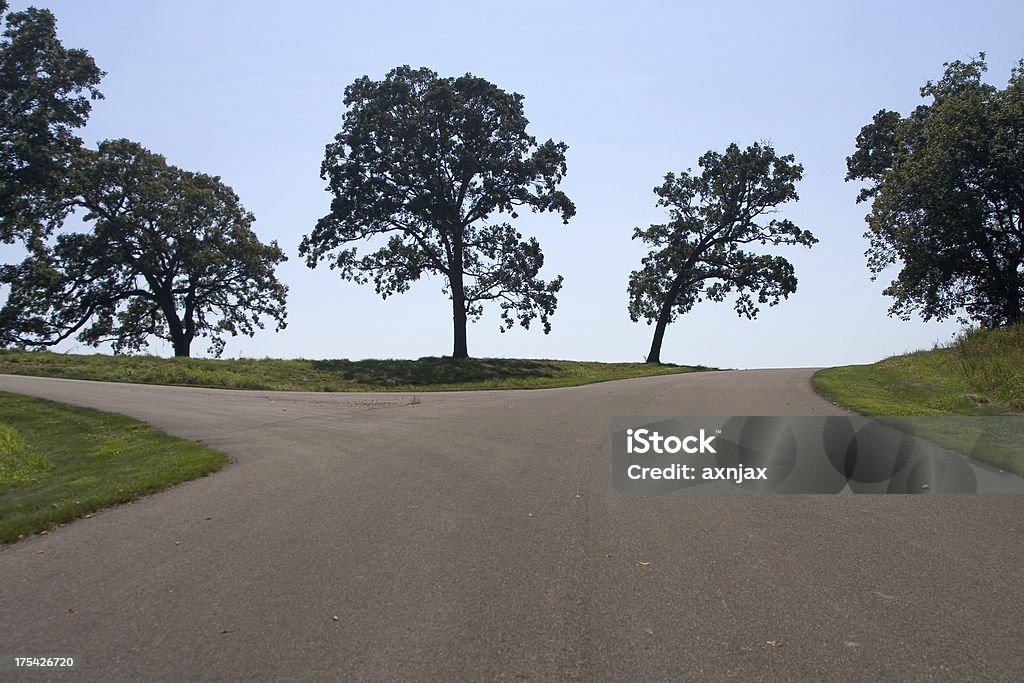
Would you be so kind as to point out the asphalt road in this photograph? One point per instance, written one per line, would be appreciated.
(476, 536)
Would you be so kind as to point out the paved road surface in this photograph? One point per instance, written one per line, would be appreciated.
(475, 536)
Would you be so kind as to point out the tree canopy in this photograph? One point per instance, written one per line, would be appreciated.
(422, 164)
(697, 255)
(45, 94)
(171, 255)
(946, 186)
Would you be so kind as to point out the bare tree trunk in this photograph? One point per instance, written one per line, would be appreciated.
(654, 356)
(180, 339)
(460, 348)
(182, 347)
(664, 316)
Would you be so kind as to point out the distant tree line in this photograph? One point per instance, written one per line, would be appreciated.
(428, 175)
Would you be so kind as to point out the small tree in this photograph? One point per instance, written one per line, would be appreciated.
(425, 162)
(45, 93)
(697, 254)
(172, 255)
(947, 198)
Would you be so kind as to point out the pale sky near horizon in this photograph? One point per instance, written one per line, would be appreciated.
(252, 91)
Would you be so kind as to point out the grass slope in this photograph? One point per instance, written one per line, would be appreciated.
(425, 374)
(59, 462)
(931, 393)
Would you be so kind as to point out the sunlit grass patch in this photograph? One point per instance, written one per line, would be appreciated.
(59, 462)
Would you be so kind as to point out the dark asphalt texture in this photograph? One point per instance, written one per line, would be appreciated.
(476, 536)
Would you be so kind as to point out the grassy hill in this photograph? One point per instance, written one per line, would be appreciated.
(980, 375)
(425, 374)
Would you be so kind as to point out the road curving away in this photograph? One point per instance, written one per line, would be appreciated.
(478, 536)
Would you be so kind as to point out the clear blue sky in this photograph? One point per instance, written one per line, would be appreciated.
(252, 91)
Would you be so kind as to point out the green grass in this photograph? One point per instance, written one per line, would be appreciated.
(58, 463)
(980, 375)
(425, 374)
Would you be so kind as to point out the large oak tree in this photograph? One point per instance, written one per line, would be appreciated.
(424, 165)
(171, 255)
(946, 186)
(698, 254)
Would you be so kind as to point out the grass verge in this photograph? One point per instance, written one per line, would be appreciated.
(59, 462)
(979, 376)
(425, 374)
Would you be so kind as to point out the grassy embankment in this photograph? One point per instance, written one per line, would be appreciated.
(58, 463)
(980, 374)
(425, 374)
